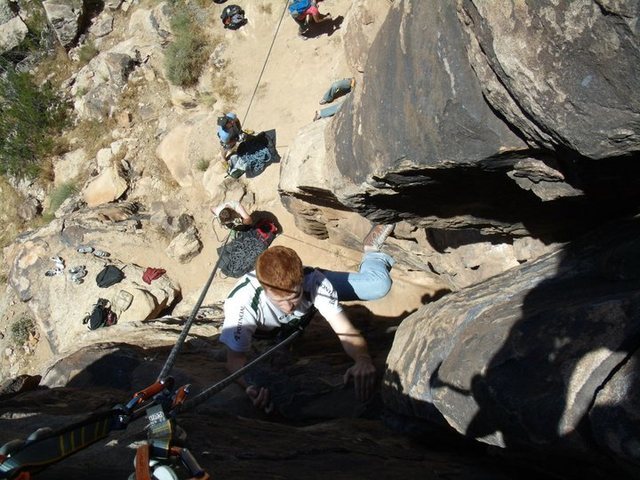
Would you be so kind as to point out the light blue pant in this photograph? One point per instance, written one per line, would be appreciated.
(329, 111)
(339, 87)
(371, 282)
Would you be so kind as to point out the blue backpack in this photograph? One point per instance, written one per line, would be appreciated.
(298, 7)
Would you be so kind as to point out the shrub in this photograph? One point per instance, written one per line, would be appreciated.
(30, 119)
(87, 52)
(187, 54)
(60, 194)
(21, 329)
(202, 164)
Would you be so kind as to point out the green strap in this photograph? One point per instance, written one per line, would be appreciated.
(256, 296)
(233, 292)
(256, 299)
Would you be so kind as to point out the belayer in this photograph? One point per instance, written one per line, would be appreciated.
(281, 292)
(229, 133)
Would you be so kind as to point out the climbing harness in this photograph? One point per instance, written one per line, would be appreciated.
(19, 459)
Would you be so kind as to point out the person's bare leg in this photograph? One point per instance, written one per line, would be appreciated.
(319, 18)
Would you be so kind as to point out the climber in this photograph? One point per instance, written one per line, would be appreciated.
(280, 292)
(336, 90)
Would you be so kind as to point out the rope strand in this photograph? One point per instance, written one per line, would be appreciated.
(275, 35)
(171, 359)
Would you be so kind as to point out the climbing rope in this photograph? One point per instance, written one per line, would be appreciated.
(275, 35)
(224, 383)
(185, 330)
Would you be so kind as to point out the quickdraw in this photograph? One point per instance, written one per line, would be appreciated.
(20, 460)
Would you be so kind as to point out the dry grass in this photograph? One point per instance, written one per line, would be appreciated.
(22, 329)
(87, 52)
(11, 222)
(202, 164)
(225, 89)
(92, 135)
(56, 68)
(265, 8)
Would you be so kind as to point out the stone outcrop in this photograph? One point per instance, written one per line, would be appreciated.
(12, 32)
(65, 17)
(247, 443)
(108, 186)
(57, 303)
(184, 146)
(547, 70)
(492, 135)
(97, 87)
(540, 357)
(185, 245)
(453, 114)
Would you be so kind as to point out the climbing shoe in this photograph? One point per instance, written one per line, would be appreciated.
(376, 237)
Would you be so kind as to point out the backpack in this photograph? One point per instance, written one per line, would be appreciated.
(233, 17)
(239, 255)
(109, 275)
(101, 316)
(298, 7)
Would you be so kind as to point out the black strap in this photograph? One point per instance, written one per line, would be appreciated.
(56, 445)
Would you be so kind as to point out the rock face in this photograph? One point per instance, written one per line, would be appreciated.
(547, 70)
(98, 86)
(12, 32)
(65, 17)
(463, 107)
(518, 360)
(225, 433)
(108, 186)
(493, 134)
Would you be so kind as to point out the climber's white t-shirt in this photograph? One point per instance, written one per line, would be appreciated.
(248, 309)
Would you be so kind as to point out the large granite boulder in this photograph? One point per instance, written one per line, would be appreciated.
(547, 69)
(66, 17)
(12, 32)
(538, 358)
(97, 87)
(187, 145)
(456, 127)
